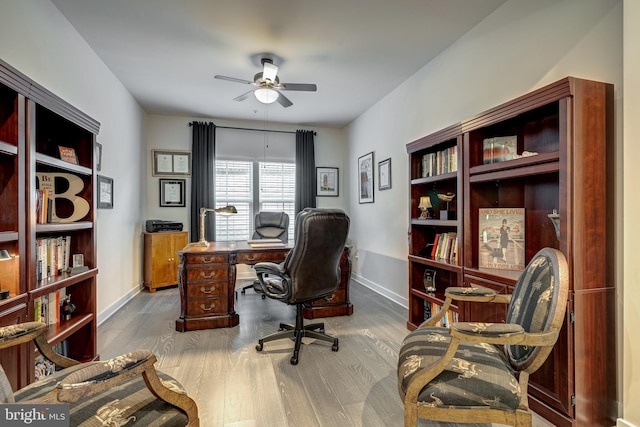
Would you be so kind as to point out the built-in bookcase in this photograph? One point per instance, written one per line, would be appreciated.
(34, 123)
(548, 153)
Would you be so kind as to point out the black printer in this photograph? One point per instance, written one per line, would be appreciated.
(157, 225)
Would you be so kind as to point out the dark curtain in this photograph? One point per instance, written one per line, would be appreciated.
(202, 178)
(305, 170)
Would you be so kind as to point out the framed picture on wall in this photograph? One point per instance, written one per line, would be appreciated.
(365, 178)
(171, 163)
(172, 193)
(105, 192)
(326, 181)
(384, 175)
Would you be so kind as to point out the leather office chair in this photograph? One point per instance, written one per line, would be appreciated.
(311, 271)
(269, 225)
(479, 372)
(111, 392)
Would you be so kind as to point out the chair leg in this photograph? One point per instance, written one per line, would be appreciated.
(297, 332)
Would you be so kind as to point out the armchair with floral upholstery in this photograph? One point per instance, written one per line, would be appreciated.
(124, 390)
(479, 372)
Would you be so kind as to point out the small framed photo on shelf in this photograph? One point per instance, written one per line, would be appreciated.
(326, 182)
(105, 192)
(365, 178)
(172, 193)
(68, 154)
(384, 174)
(171, 163)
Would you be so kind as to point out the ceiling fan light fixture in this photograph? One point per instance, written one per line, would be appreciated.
(266, 95)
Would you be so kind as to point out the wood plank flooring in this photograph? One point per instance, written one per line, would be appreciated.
(236, 386)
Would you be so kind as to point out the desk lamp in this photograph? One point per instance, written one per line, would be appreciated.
(202, 243)
(4, 256)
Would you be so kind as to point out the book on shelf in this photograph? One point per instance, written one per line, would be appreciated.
(445, 247)
(52, 256)
(440, 162)
(502, 236)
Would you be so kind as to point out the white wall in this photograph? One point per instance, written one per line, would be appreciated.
(38, 41)
(173, 132)
(630, 375)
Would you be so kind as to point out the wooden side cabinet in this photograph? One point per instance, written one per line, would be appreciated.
(161, 259)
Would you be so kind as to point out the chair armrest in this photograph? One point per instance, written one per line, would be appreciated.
(273, 281)
(502, 334)
(269, 268)
(22, 332)
(101, 376)
(476, 293)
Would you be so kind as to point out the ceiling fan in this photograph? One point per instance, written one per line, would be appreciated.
(268, 86)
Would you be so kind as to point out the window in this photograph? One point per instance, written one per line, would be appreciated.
(247, 184)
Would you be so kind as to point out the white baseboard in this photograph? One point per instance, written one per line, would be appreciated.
(620, 422)
(113, 308)
(398, 299)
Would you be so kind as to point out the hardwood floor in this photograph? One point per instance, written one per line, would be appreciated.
(236, 386)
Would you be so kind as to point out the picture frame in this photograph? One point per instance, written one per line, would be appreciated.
(501, 234)
(172, 193)
(105, 192)
(365, 178)
(68, 154)
(171, 163)
(384, 174)
(98, 156)
(327, 182)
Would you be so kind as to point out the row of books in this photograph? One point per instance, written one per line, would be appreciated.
(431, 308)
(440, 162)
(445, 247)
(52, 256)
(44, 206)
(47, 308)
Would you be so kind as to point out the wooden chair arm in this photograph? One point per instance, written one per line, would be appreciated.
(12, 335)
(502, 334)
(476, 293)
(47, 351)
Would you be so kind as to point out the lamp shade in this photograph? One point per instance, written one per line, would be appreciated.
(425, 202)
(227, 210)
(4, 255)
(266, 95)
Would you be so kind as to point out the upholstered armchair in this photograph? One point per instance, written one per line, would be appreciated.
(479, 372)
(125, 389)
(310, 271)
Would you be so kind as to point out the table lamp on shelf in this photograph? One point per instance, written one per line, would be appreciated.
(424, 206)
(227, 210)
(4, 256)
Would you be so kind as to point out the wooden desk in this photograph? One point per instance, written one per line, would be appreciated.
(207, 277)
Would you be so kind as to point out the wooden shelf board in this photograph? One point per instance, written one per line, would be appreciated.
(66, 328)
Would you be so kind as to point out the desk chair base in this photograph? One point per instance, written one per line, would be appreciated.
(297, 332)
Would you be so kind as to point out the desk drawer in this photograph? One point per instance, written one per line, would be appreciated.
(207, 259)
(252, 258)
(207, 290)
(202, 307)
(206, 274)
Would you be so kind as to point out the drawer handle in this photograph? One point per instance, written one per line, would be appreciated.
(205, 291)
(250, 257)
(207, 260)
(207, 309)
(207, 276)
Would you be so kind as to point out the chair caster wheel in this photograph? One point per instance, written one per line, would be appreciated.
(259, 346)
(264, 296)
(294, 360)
(334, 347)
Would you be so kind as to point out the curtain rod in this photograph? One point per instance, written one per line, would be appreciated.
(257, 130)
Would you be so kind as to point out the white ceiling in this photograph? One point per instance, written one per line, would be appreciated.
(166, 52)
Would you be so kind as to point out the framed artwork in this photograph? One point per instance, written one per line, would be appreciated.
(326, 181)
(105, 192)
(384, 175)
(172, 193)
(68, 154)
(98, 156)
(365, 172)
(501, 233)
(171, 163)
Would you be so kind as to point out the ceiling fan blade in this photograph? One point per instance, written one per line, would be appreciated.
(270, 71)
(284, 101)
(243, 96)
(305, 87)
(233, 79)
